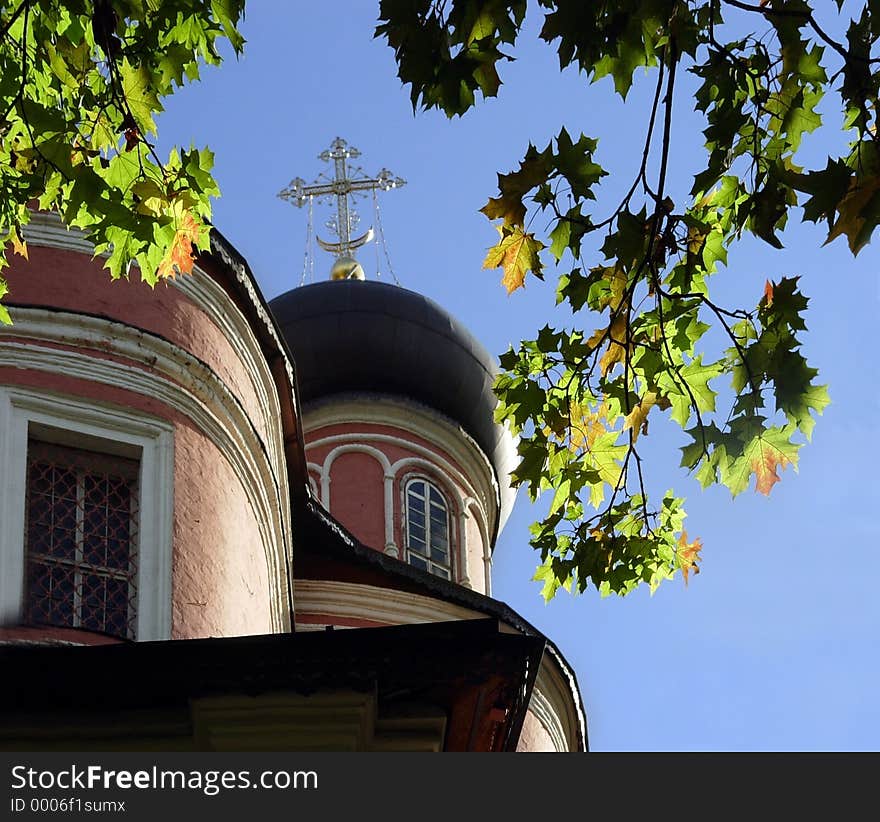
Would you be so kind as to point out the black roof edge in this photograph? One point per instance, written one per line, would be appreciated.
(436, 586)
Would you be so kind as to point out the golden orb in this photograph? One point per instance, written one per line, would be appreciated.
(347, 268)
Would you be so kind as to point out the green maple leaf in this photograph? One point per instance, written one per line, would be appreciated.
(140, 95)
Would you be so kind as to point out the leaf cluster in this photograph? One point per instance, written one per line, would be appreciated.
(581, 399)
(80, 84)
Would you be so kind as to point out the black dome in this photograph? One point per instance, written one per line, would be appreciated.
(348, 335)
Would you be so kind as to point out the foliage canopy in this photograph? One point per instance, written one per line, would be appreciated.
(581, 398)
(80, 83)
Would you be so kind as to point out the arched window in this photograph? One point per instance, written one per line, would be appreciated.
(427, 528)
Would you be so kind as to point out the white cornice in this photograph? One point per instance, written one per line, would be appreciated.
(383, 605)
(47, 230)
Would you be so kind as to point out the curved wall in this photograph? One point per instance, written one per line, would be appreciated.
(180, 359)
(363, 449)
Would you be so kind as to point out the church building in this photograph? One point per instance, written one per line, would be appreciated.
(233, 524)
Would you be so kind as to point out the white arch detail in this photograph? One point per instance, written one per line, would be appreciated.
(465, 506)
(388, 481)
(471, 503)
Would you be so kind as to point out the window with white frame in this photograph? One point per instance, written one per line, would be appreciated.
(81, 535)
(427, 528)
(86, 515)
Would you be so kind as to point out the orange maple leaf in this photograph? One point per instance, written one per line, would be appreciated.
(768, 292)
(688, 554)
(765, 467)
(179, 257)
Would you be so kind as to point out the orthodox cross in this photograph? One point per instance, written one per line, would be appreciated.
(347, 182)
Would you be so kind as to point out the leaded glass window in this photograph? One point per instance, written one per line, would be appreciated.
(427, 528)
(81, 530)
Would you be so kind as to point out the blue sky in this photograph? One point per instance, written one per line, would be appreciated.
(774, 645)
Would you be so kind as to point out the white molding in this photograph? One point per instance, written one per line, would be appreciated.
(487, 546)
(424, 422)
(46, 229)
(176, 378)
(384, 605)
(387, 478)
(456, 509)
(430, 458)
(437, 467)
(554, 707)
(19, 407)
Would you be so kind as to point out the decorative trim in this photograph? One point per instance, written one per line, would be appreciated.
(437, 466)
(553, 707)
(423, 422)
(383, 605)
(458, 570)
(47, 230)
(19, 407)
(388, 479)
(487, 545)
(434, 460)
(180, 381)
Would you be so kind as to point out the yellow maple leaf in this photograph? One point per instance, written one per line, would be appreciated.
(179, 257)
(637, 419)
(586, 425)
(517, 253)
(688, 553)
(616, 344)
(19, 246)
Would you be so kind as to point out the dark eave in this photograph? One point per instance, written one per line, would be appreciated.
(480, 677)
(326, 550)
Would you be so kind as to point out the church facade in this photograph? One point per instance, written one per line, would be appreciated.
(273, 521)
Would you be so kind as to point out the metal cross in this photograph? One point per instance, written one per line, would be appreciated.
(342, 186)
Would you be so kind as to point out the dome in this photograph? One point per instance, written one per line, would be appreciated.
(349, 336)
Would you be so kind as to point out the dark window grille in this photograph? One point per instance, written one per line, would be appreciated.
(427, 528)
(81, 535)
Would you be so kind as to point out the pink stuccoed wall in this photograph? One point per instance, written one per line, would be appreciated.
(534, 738)
(72, 281)
(220, 577)
(357, 494)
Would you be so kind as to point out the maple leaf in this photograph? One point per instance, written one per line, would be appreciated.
(508, 207)
(857, 213)
(765, 464)
(763, 456)
(687, 554)
(517, 254)
(616, 344)
(19, 246)
(768, 293)
(179, 257)
(637, 419)
(586, 425)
